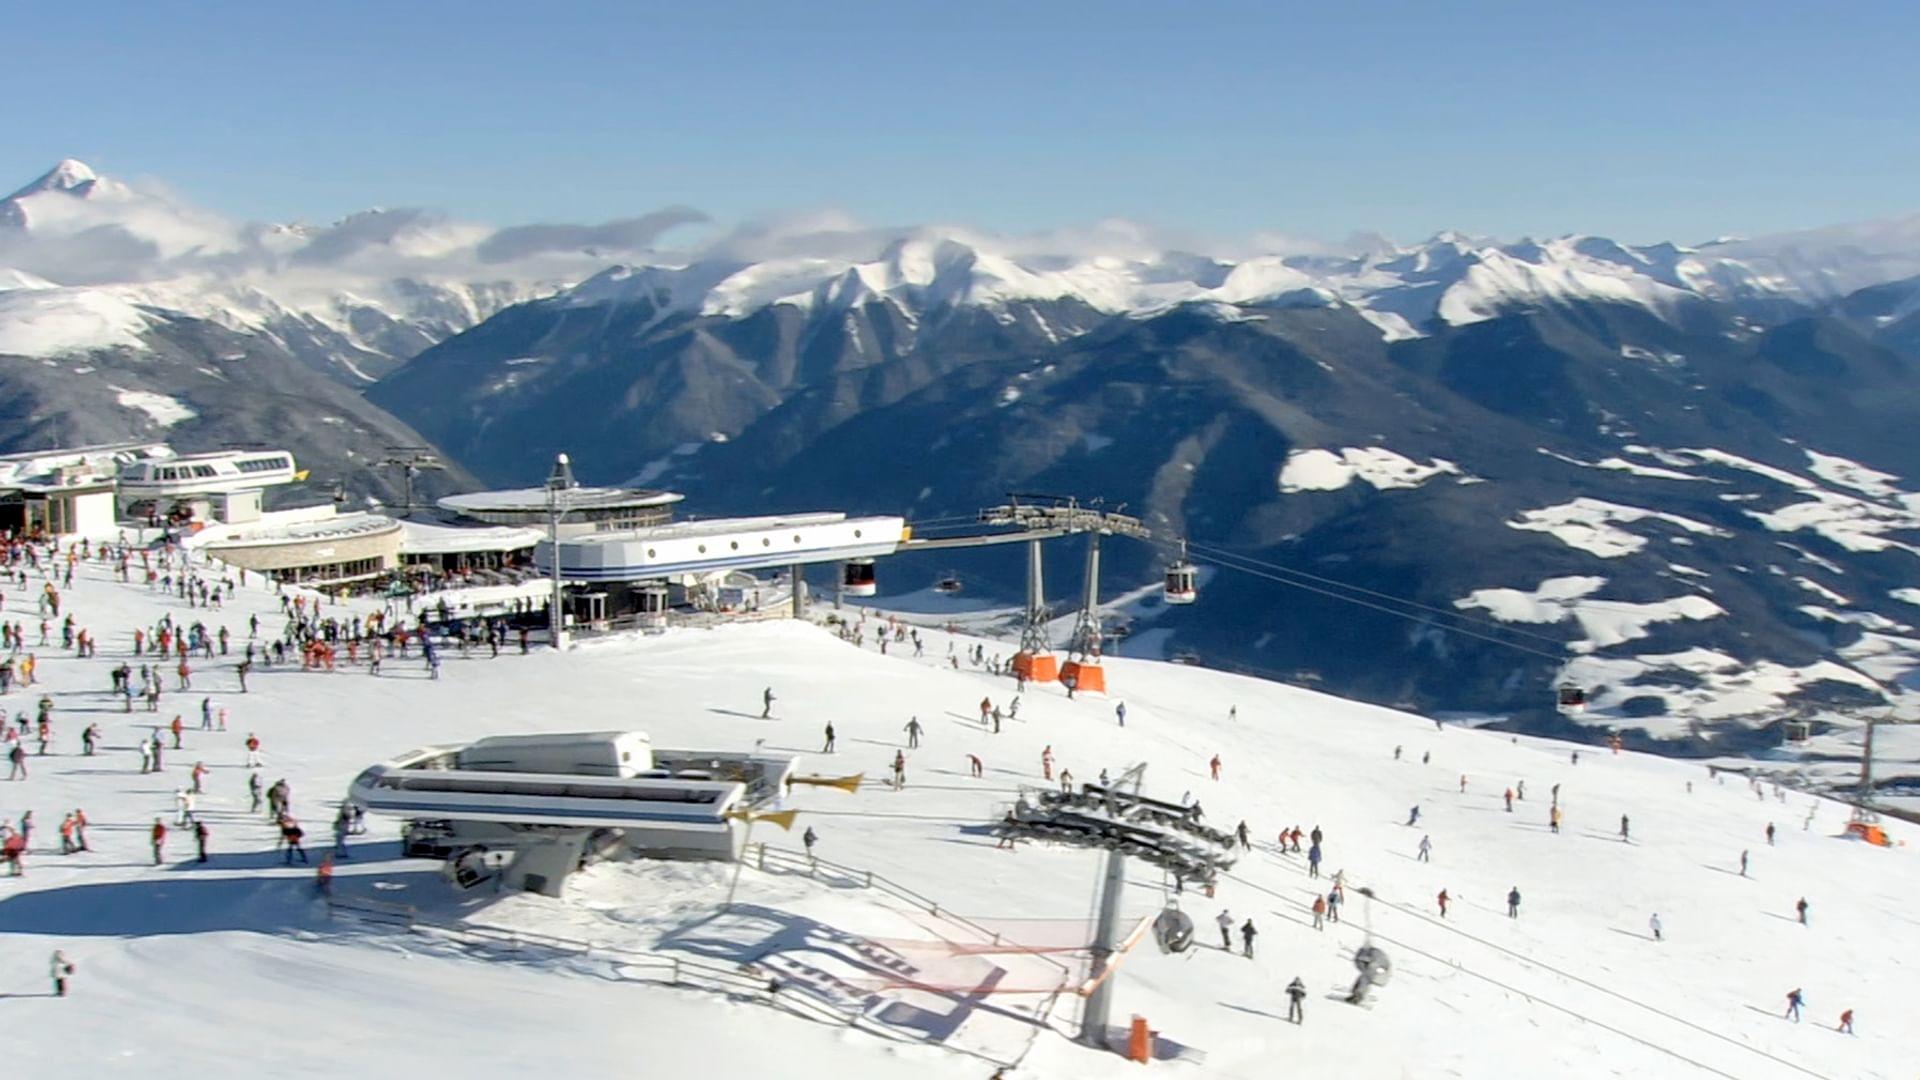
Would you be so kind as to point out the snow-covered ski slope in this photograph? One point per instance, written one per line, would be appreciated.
(232, 969)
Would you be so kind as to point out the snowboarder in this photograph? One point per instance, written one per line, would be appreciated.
(1513, 902)
(1413, 815)
(1426, 849)
(766, 703)
(1801, 907)
(1225, 920)
(1794, 1001)
(1247, 934)
(62, 970)
(1443, 898)
(828, 748)
(1653, 924)
(913, 730)
(1296, 995)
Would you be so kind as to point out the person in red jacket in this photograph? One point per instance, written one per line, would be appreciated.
(1215, 766)
(159, 839)
(1443, 903)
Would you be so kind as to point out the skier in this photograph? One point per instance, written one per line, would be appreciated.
(1214, 765)
(1509, 797)
(1769, 834)
(828, 748)
(1463, 783)
(1247, 934)
(1513, 902)
(253, 750)
(253, 791)
(291, 832)
(200, 838)
(1653, 924)
(974, 766)
(1794, 1001)
(1120, 710)
(1846, 1020)
(913, 730)
(899, 769)
(1743, 864)
(159, 838)
(1334, 899)
(1413, 815)
(1225, 921)
(1046, 762)
(1426, 849)
(17, 758)
(807, 840)
(766, 703)
(1241, 831)
(1296, 994)
(1623, 828)
(1313, 861)
(1443, 898)
(986, 711)
(62, 970)
(1319, 912)
(1553, 818)
(1396, 753)
(1801, 907)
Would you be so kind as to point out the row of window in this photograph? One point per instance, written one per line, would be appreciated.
(263, 464)
(765, 542)
(207, 472)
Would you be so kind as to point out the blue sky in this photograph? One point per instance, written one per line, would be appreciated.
(1642, 121)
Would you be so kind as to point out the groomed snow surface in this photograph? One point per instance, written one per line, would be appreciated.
(231, 969)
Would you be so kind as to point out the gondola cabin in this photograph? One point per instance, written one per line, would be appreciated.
(949, 584)
(1797, 731)
(859, 578)
(1182, 585)
(1572, 699)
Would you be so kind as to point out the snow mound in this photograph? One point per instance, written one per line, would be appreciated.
(1329, 470)
(164, 411)
(1591, 525)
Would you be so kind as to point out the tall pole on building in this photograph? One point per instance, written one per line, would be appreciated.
(559, 483)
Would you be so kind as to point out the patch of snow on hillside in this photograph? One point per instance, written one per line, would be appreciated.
(1852, 474)
(1604, 622)
(54, 322)
(1857, 618)
(1623, 465)
(1591, 525)
(1328, 470)
(164, 411)
(1910, 596)
(1822, 591)
(1719, 687)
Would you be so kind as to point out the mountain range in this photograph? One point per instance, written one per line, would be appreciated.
(1669, 473)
